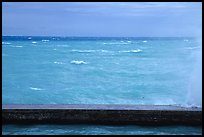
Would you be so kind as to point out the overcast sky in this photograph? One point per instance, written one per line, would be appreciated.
(136, 19)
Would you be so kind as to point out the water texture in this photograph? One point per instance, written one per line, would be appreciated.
(72, 70)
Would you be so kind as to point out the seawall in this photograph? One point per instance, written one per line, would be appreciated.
(101, 114)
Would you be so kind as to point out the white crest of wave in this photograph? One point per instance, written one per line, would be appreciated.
(89, 51)
(17, 46)
(6, 43)
(132, 51)
(116, 43)
(192, 47)
(44, 40)
(62, 45)
(144, 41)
(32, 88)
(34, 42)
(83, 51)
(58, 62)
(104, 50)
(78, 62)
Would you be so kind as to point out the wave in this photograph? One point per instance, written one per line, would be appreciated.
(83, 51)
(89, 51)
(58, 62)
(6, 43)
(116, 43)
(34, 42)
(186, 40)
(17, 46)
(30, 38)
(131, 51)
(105, 51)
(32, 88)
(190, 105)
(126, 42)
(62, 45)
(44, 40)
(192, 47)
(144, 41)
(78, 62)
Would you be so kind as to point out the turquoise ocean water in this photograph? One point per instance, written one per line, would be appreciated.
(94, 70)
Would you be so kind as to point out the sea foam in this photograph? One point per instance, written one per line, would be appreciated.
(6, 43)
(32, 88)
(58, 62)
(83, 51)
(44, 40)
(131, 51)
(192, 48)
(78, 62)
(116, 43)
(89, 51)
(17, 46)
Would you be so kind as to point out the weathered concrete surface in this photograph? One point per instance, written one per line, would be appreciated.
(101, 114)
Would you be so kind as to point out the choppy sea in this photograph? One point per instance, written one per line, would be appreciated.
(100, 70)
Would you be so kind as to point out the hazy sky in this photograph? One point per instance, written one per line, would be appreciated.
(135, 19)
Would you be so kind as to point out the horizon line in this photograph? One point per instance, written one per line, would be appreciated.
(97, 36)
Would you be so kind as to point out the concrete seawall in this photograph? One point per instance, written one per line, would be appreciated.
(101, 114)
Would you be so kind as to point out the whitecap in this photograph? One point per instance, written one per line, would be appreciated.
(78, 62)
(192, 47)
(34, 42)
(131, 51)
(58, 62)
(62, 45)
(17, 46)
(44, 40)
(104, 51)
(116, 43)
(32, 88)
(190, 105)
(89, 51)
(6, 43)
(83, 51)
(124, 43)
(30, 38)
(144, 41)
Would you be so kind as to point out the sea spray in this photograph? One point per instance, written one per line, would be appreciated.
(194, 95)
